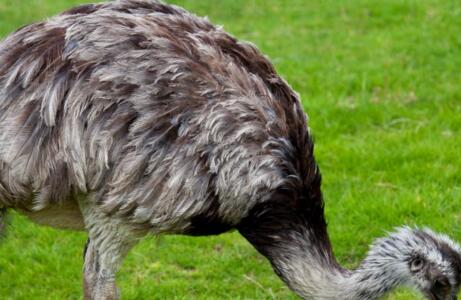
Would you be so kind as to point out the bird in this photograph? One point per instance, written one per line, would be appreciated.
(136, 117)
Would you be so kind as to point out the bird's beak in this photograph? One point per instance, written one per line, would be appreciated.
(440, 289)
(440, 295)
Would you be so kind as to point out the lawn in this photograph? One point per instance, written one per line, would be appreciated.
(381, 83)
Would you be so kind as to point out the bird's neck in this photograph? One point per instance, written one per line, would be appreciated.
(312, 276)
(299, 249)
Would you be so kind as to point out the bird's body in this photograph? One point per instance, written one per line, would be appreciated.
(134, 116)
(165, 119)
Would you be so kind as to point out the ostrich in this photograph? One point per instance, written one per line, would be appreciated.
(134, 117)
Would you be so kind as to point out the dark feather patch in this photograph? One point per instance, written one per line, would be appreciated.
(85, 9)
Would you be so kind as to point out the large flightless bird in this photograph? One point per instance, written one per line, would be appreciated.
(136, 117)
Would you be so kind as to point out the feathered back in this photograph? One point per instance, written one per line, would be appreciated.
(154, 113)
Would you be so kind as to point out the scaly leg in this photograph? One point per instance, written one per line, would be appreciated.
(91, 269)
(109, 241)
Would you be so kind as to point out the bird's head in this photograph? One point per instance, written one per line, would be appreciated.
(422, 259)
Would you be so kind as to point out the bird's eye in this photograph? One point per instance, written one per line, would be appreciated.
(416, 264)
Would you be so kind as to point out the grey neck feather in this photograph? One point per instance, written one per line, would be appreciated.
(314, 277)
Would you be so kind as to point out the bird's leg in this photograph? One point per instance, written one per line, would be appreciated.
(90, 272)
(109, 241)
(99, 276)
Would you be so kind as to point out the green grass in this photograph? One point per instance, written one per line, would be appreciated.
(381, 83)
